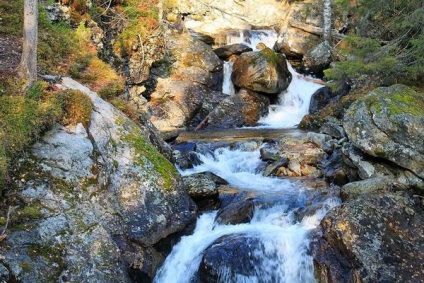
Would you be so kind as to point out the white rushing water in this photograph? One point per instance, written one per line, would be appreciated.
(227, 84)
(282, 255)
(253, 37)
(293, 103)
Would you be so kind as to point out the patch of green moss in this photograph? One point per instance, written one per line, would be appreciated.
(22, 119)
(145, 150)
(26, 266)
(270, 56)
(398, 99)
(52, 253)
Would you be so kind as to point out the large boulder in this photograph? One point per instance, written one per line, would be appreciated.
(374, 238)
(192, 73)
(244, 108)
(90, 204)
(389, 123)
(228, 258)
(264, 71)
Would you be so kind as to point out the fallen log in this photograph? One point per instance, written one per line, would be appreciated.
(314, 30)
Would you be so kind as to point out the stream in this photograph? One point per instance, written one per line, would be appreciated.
(274, 245)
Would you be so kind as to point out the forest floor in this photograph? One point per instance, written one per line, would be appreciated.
(10, 52)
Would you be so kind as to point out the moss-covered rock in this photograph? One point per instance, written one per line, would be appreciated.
(92, 203)
(389, 123)
(374, 238)
(264, 71)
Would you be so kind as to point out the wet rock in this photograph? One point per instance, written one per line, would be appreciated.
(373, 238)
(269, 153)
(236, 212)
(332, 168)
(175, 103)
(389, 123)
(227, 258)
(319, 100)
(271, 169)
(4, 274)
(203, 185)
(317, 59)
(264, 71)
(185, 155)
(226, 51)
(193, 72)
(320, 140)
(202, 37)
(242, 109)
(333, 130)
(355, 159)
(228, 195)
(367, 186)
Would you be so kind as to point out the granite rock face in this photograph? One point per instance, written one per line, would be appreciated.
(373, 238)
(93, 202)
(389, 123)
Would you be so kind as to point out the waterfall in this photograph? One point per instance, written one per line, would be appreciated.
(252, 37)
(227, 84)
(282, 255)
(293, 103)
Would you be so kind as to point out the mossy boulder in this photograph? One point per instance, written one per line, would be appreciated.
(373, 238)
(264, 71)
(91, 204)
(389, 123)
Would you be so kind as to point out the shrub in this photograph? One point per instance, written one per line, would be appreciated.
(77, 107)
(388, 42)
(111, 90)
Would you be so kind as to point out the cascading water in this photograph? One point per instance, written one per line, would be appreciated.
(293, 103)
(281, 255)
(227, 85)
(278, 239)
(253, 37)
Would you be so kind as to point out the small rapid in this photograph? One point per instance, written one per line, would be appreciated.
(275, 242)
(281, 253)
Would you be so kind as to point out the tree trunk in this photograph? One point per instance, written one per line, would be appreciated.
(326, 26)
(28, 65)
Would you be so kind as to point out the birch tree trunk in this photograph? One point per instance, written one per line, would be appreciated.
(327, 22)
(28, 65)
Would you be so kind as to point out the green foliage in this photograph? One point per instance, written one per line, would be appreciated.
(24, 118)
(56, 45)
(80, 65)
(141, 19)
(111, 90)
(388, 42)
(10, 23)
